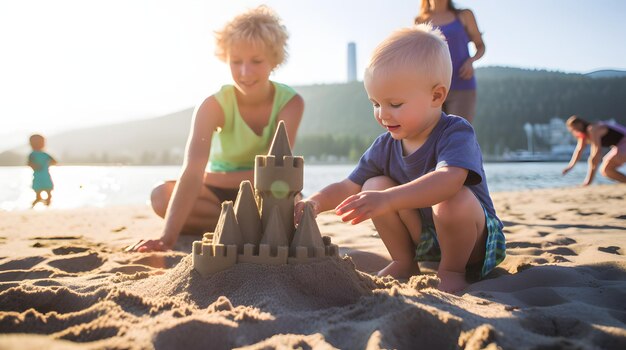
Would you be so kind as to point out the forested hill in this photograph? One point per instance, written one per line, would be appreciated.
(338, 118)
(507, 98)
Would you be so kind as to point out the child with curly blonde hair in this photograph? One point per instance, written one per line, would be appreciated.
(229, 128)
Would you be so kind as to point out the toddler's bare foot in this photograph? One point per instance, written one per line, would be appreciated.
(451, 282)
(399, 269)
(47, 202)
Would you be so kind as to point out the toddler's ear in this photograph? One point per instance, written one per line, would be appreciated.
(439, 95)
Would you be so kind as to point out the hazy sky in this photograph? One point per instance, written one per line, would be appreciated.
(68, 64)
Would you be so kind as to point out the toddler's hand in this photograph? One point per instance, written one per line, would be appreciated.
(363, 206)
(299, 209)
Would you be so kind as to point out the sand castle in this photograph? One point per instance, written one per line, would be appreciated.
(259, 227)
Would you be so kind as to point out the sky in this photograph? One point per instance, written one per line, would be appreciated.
(68, 64)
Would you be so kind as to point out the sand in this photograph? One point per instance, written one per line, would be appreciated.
(65, 283)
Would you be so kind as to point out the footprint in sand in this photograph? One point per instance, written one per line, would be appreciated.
(21, 263)
(47, 299)
(66, 250)
(582, 213)
(562, 251)
(539, 296)
(68, 314)
(78, 263)
(559, 241)
(611, 250)
(554, 326)
(55, 238)
(21, 275)
(548, 217)
(516, 245)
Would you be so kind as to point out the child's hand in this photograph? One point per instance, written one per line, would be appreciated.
(146, 246)
(363, 206)
(299, 209)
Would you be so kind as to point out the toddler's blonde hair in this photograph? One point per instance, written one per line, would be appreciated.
(421, 48)
(260, 25)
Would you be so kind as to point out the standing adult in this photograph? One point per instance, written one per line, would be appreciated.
(460, 28)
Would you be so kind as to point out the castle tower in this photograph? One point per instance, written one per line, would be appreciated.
(247, 214)
(278, 178)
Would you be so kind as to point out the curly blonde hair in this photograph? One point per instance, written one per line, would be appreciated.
(260, 25)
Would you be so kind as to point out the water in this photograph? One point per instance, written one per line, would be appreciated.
(100, 186)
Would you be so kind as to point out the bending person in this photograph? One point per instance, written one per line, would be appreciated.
(598, 135)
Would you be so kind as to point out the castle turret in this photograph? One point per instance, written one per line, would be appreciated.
(248, 215)
(278, 178)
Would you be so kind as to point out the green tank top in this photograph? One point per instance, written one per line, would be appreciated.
(235, 145)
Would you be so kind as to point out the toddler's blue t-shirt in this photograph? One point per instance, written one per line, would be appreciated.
(451, 143)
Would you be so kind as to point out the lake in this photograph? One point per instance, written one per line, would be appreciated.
(100, 186)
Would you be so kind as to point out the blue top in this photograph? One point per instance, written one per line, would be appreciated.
(457, 39)
(451, 143)
(41, 176)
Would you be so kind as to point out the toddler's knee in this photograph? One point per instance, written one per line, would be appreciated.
(378, 183)
(457, 205)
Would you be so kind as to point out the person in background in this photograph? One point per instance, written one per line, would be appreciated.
(229, 128)
(460, 28)
(598, 135)
(40, 162)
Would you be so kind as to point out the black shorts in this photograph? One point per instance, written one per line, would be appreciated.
(224, 194)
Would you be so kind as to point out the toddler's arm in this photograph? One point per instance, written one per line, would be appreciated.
(426, 191)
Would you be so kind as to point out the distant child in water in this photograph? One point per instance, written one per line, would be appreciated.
(422, 182)
(41, 161)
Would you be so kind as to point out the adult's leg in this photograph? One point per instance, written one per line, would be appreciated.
(400, 232)
(462, 234)
(204, 214)
(461, 103)
(612, 161)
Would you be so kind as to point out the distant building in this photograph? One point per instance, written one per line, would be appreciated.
(351, 62)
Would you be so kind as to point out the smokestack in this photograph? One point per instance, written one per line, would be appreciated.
(351, 62)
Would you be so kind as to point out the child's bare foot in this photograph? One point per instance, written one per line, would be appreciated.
(398, 269)
(47, 202)
(451, 282)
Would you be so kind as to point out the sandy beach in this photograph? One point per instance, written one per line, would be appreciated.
(66, 283)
